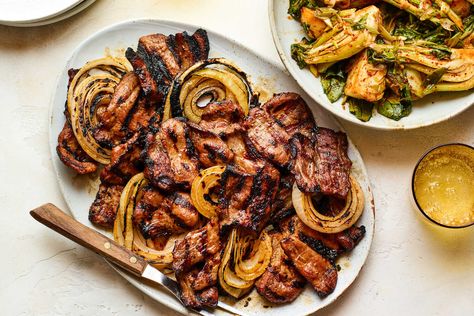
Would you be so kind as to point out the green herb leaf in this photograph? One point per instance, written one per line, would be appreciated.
(295, 7)
(433, 78)
(297, 53)
(361, 24)
(396, 107)
(360, 108)
(333, 81)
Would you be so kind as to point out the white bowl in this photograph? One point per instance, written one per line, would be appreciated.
(426, 111)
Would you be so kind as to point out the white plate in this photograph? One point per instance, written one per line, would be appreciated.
(56, 18)
(79, 191)
(21, 11)
(427, 111)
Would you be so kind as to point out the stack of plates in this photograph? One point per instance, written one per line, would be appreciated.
(26, 13)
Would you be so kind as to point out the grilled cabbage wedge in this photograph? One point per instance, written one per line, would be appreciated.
(385, 55)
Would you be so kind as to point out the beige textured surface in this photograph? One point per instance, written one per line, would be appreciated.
(412, 268)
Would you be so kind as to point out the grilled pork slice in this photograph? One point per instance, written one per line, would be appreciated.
(222, 118)
(292, 113)
(171, 160)
(211, 150)
(110, 130)
(125, 161)
(267, 137)
(104, 208)
(282, 207)
(245, 198)
(322, 164)
(281, 282)
(330, 246)
(149, 87)
(157, 215)
(160, 58)
(71, 153)
(319, 271)
(196, 261)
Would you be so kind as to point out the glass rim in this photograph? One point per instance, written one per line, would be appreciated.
(413, 183)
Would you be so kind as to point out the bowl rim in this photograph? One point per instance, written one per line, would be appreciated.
(413, 182)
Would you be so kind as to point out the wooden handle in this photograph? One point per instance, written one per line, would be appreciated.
(62, 223)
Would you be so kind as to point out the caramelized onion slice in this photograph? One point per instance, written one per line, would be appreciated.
(215, 78)
(252, 256)
(200, 188)
(347, 217)
(94, 83)
(131, 238)
(229, 281)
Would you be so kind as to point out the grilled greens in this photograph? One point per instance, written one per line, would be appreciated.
(387, 55)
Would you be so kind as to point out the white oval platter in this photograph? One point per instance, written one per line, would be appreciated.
(79, 191)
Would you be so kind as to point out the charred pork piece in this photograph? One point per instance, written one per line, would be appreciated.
(348, 239)
(245, 199)
(104, 208)
(329, 246)
(148, 84)
(267, 137)
(211, 150)
(157, 215)
(160, 58)
(139, 117)
(196, 261)
(222, 118)
(171, 160)
(71, 153)
(322, 165)
(319, 271)
(292, 113)
(110, 130)
(125, 161)
(282, 207)
(281, 282)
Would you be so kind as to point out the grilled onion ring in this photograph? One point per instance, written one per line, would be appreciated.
(228, 280)
(236, 274)
(131, 238)
(202, 184)
(93, 84)
(249, 267)
(216, 78)
(329, 224)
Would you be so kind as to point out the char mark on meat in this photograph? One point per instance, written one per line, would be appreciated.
(322, 164)
(104, 208)
(111, 129)
(160, 58)
(158, 215)
(148, 85)
(268, 138)
(211, 149)
(171, 161)
(245, 198)
(196, 261)
(281, 282)
(292, 113)
(329, 246)
(71, 153)
(222, 118)
(125, 161)
(282, 207)
(319, 271)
